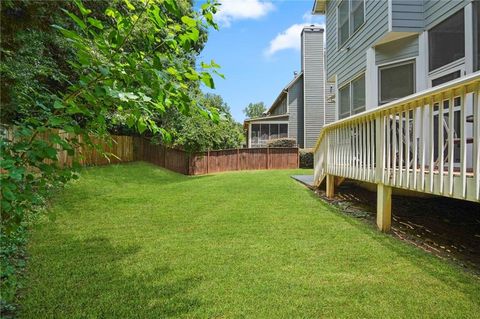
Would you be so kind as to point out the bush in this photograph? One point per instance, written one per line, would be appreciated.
(282, 142)
(306, 158)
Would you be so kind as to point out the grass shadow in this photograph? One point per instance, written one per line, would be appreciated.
(94, 275)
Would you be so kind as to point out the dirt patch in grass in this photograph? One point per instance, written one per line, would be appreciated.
(447, 228)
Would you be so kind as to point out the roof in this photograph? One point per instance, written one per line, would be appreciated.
(284, 92)
(266, 118)
(319, 6)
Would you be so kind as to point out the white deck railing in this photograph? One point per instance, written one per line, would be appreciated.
(419, 143)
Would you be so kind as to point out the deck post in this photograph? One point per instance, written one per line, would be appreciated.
(330, 187)
(384, 207)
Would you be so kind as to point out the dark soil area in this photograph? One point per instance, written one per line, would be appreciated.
(442, 226)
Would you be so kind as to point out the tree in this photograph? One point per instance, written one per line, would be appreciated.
(255, 110)
(135, 60)
(197, 133)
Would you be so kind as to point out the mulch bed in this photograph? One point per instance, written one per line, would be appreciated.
(447, 228)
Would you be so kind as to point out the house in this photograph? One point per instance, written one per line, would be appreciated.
(406, 84)
(299, 112)
(379, 51)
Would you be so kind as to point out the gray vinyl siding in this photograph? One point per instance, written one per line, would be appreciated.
(330, 111)
(351, 59)
(281, 108)
(407, 16)
(436, 11)
(295, 110)
(397, 50)
(313, 79)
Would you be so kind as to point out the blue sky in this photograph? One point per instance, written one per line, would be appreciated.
(258, 48)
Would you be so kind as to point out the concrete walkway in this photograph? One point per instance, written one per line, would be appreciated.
(306, 180)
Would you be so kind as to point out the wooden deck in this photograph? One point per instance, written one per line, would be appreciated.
(397, 145)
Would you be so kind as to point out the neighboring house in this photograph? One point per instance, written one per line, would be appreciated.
(379, 51)
(299, 112)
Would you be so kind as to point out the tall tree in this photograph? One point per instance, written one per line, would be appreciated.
(254, 109)
(134, 59)
(197, 133)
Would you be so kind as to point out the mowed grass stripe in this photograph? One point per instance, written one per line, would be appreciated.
(137, 241)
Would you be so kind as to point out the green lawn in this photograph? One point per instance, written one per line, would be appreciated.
(136, 241)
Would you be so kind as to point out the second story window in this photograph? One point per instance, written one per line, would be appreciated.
(446, 41)
(352, 98)
(350, 15)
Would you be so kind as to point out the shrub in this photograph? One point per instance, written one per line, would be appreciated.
(306, 158)
(282, 142)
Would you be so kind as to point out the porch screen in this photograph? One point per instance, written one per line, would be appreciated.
(446, 41)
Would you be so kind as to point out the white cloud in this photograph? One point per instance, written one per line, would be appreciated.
(231, 10)
(290, 38)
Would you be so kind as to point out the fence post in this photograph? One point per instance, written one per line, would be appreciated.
(298, 157)
(208, 160)
(164, 156)
(238, 159)
(268, 153)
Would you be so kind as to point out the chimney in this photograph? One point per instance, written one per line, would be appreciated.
(313, 69)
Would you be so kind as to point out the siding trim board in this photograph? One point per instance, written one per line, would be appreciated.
(405, 48)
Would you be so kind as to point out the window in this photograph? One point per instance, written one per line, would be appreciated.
(358, 14)
(273, 131)
(476, 34)
(255, 133)
(343, 22)
(283, 130)
(446, 41)
(446, 78)
(358, 95)
(350, 15)
(352, 98)
(261, 133)
(264, 132)
(396, 81)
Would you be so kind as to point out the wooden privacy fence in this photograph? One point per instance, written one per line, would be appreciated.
(127, 149)
(120, 149)
(215, 161)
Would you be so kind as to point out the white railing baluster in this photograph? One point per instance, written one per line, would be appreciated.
(364, 151)
(394, 149)
(368, 150)
(407, 149)
(388, 144)
(476, 141)
(422, 146)
(415, 145)
(400, 150)
(441, 143)
(451, 146)
(374, 150)
(431, 143)
(463, 143)
(398, 143)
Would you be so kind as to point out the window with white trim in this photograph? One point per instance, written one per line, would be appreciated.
(476, 35)
(396, 81)
(352, 97)
(350, 16)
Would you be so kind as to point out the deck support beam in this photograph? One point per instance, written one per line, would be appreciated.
(330, 186)
(384, 207)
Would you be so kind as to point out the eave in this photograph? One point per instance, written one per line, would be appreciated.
(319, 7)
